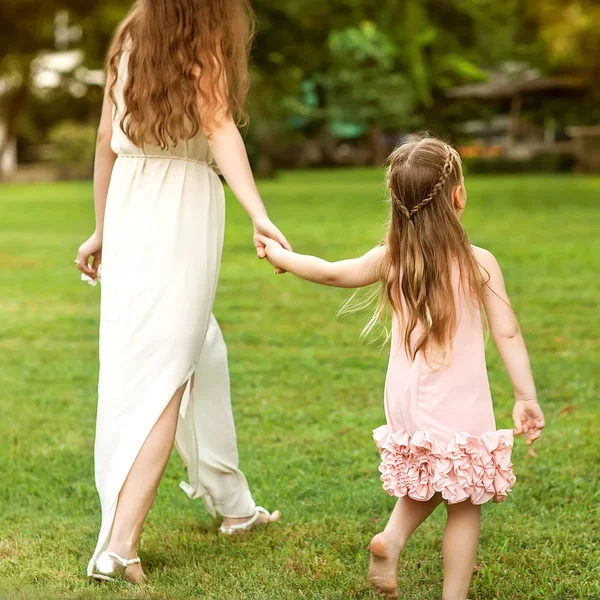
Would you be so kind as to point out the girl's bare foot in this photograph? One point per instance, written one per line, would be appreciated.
(383, 568)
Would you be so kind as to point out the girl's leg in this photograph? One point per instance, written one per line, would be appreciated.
(386, 546)
(141, 485)
(461, 538)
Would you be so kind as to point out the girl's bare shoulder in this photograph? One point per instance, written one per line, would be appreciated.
(484, 257)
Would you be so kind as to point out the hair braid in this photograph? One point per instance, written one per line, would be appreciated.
(437, 187)
(405, 212)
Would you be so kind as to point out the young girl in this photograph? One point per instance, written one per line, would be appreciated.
(440, 443)
(177, 81)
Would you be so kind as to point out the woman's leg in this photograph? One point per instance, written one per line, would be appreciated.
(206, 438)
(141, 485)
(386, 546)
(461, 538)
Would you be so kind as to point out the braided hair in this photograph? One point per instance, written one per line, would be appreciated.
(425, 242)
(437, 187)
(447, 167)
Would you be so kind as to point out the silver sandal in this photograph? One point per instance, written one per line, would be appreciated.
(111, 567)
(233, 529)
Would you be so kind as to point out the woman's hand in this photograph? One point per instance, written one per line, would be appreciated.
(273, 251)
(91, 248)
(529, 419)
(263, 228)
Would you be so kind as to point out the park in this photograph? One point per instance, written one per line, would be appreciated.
(334, 88)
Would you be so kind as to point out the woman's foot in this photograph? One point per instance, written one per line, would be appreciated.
(383, 567)
(133, 573)
(260, 519)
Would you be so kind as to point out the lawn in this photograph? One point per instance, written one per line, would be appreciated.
(307, 394)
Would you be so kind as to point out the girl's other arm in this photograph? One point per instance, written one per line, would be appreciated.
(103, 167)
(509, 340)
(352, 273)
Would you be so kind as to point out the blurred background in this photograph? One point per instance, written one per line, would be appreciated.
(515, 84)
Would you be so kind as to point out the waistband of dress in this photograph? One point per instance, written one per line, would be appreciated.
(169, 157)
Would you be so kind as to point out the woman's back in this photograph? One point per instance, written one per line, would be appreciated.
(194, 149)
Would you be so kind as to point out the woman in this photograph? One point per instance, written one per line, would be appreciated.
(177, 80)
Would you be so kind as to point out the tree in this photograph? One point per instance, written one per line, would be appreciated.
(30, 28)
(569, 33)
(362, 85)
(18, 47)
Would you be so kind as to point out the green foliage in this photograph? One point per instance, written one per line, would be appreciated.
(569, 32)
(307, 394)
(73, 146)
(383, 68)
(362, 84)
(362, 46)
(418, 35)
(498, 30)
(26, 28)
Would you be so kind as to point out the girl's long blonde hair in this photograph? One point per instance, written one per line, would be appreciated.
(183, 55)
(425, 242)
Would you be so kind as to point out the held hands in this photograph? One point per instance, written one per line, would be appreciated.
(529, 419)
(265, 231)
(91, 248)
(273, 252)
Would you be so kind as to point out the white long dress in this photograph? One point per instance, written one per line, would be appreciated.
(163, 235)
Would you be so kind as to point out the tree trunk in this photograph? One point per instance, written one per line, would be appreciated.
(13, 105)
(377, 146)
(8, 158)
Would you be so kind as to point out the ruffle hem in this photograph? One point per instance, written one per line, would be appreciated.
(472, 468)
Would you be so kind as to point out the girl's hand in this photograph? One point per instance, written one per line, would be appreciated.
(90, 248)
(529, 419)
(263, 228)
(273, 251)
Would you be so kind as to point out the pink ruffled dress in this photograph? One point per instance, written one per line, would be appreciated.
(441, 433)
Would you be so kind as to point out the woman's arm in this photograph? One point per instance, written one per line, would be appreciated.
(104, 162)
(351, 273)
(227, 147)
(509, 340)
(103, 166)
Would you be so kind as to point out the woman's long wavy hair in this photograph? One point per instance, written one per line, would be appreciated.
(187, 67)
(425, 242)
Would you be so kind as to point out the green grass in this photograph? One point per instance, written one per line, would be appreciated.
(307, 394)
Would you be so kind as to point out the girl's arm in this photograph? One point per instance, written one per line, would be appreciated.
(509, 340)
(103, 166)
(228, 150)
(352, 273)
